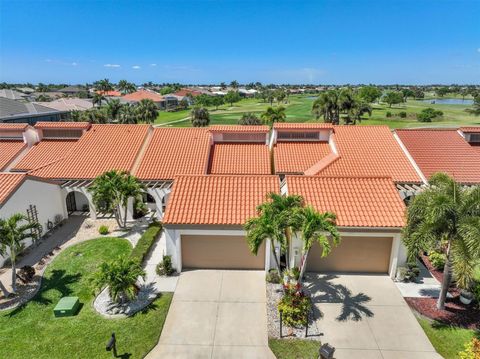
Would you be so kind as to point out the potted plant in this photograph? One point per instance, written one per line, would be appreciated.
(466, 296)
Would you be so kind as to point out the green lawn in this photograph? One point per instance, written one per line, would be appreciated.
(294, 348)
(33, 332)
(447, 340)
(299, 110)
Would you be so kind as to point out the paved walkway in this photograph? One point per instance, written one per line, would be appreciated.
(216, 314)
(425, 286)
(365, 316)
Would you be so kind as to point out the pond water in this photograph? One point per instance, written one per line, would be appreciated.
(449, 101)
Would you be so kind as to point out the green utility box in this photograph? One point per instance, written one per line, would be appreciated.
(66, 307)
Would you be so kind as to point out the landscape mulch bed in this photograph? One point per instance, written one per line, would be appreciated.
(438, 274)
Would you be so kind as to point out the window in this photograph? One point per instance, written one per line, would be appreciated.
(244, 137)
(62, 133)
(298, 135)
(475, 137)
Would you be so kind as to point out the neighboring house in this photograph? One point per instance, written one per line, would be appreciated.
(68, 104)
(72, 90)
(12, 111)
(38, 199)
(247, 93)
(444, 150)
(13, 95)
(162, 102)
(111, 93)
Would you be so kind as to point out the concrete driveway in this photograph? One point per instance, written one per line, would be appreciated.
(216, 314)
(365, 316)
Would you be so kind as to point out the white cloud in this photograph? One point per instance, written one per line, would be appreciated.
(74, 64)
(112, 65)
(135, 67)
(153, 65)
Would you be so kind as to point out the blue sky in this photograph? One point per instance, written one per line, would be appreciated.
(334, 42)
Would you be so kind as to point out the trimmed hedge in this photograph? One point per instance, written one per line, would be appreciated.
(145, 242)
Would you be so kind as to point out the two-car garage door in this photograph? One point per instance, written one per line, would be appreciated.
(353, 254)
(220, 252)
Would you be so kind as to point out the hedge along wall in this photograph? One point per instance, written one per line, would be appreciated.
(145, 242)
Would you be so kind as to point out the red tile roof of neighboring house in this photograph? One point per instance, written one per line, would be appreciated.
(297, 157)
(110, 93)
(217, 200)
(240, 158)
(442, 151)
(369, 151)
(470, 129)
(69, 125)
(357, 202)
(185, 92)
(43, 153)
(9, 183)
(9, 149)
(301, 125)
(13, 126)
(102, 148)
(143, 94)
(238, 128)
(175, 151)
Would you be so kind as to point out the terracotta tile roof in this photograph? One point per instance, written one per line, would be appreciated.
(470, 129)
(297, 157)
(369, 151)
(13, 126)
(240, 158)
(9, 149)
(442, 151)
(185, 92)
(175, 151)
(143, 94)
(238, 128)
(217, 200)
(301, 125)
(43, 153)
(9, 183)
(357, 202)
(110, 93)
(69, 125)
(102, 148)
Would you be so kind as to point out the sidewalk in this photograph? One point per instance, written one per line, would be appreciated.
(425, 286)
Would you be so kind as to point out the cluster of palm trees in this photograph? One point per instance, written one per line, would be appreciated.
(446, 216)
(111, 192)
(280, 219)
(332, 104)
(113, 111)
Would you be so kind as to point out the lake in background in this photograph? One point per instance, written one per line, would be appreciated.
(449, 101)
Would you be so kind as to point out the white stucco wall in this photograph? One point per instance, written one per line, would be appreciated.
(158, 194)
(45, 196)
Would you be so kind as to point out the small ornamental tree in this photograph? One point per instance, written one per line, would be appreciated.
(200, 117)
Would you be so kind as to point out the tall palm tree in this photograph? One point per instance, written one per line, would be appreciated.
(147, 110)
(199, 117)
(131, 188)
(113, 108)
(359, 109)
(120, 276)
(126, 87)
(274, 114)
(446, 212)
(316, 227)
(104, 86)
(97, 99)
(128, 114)
(327, 106)
(13, 231)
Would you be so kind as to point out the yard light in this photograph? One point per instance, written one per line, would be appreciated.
(112, 345)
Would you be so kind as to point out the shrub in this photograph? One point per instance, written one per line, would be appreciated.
(428, 114)
(476, 292)
(145, 242)
(249, 118)
(57, 220)
(26, 273)
(388, 114)
(295, 306)
(103, 230)
(165, 266)
(402, 114)
(273, 277)
(437, 259)
(472, 350)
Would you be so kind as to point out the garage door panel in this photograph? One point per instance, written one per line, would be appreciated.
(353, 254)
(220, 252)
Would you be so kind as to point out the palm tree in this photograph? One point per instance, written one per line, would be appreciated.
(120, 276)
(111, 190)
(147, 110)
(126, 87)
(327, 106)
(272, 115)
(128, 114)
(358, 110)
(104, 86)
(249, 118)
(13, 231)
(113, 108)
(98, 98)
(199, 117)
(446, 213)
(234, 84)
(314, 228)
